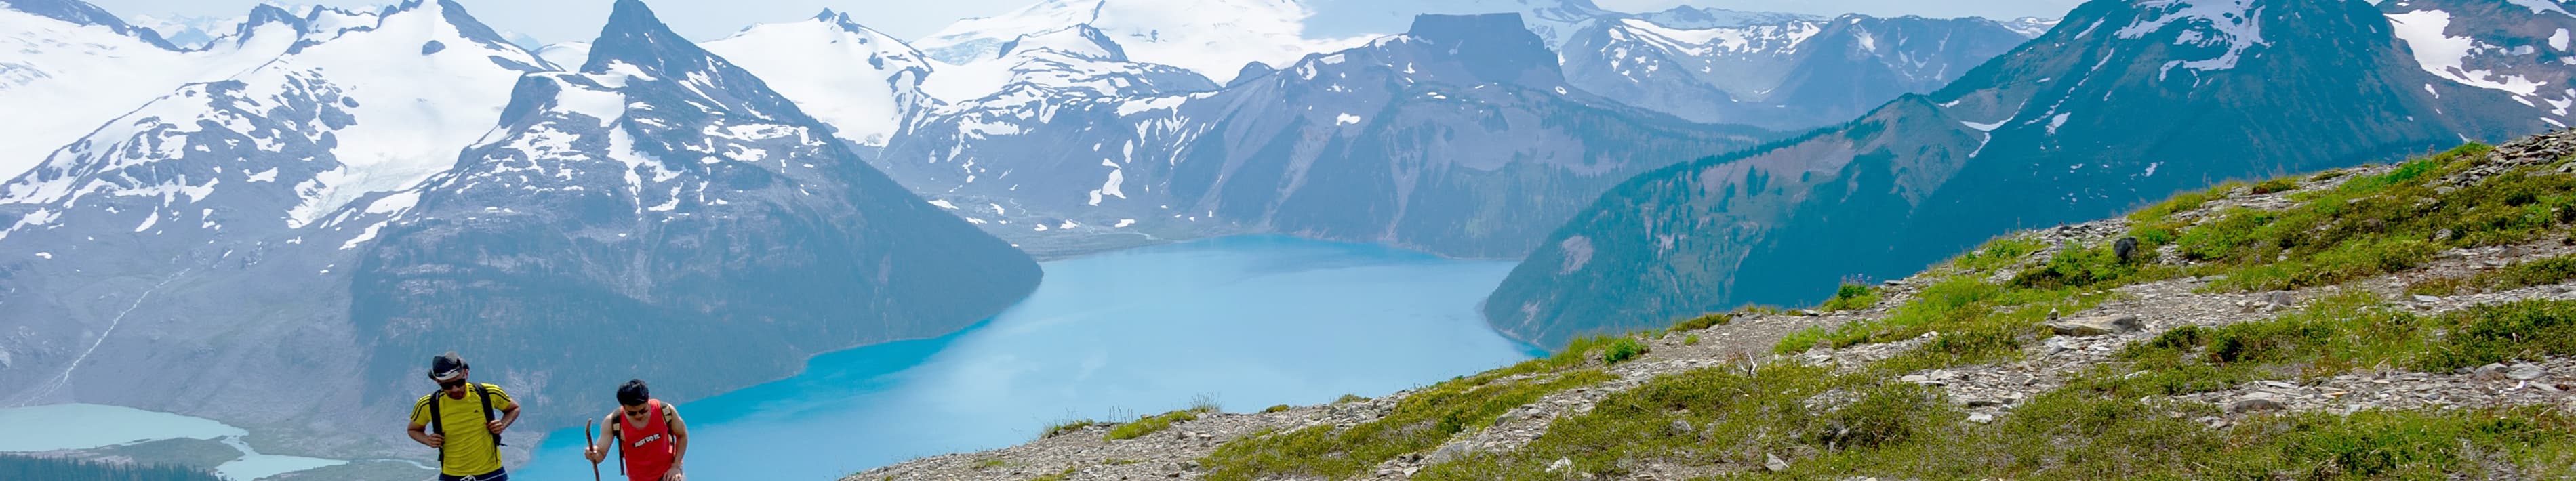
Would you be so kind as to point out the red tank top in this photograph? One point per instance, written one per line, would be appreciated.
(647, 447)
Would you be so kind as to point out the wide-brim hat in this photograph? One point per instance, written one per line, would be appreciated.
(446, 367)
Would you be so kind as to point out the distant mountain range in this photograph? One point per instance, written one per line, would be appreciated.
(1793, 74)
(281, 246)
(2123, 103)
(1460, 137)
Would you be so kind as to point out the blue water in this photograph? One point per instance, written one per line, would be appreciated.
(1250, 321)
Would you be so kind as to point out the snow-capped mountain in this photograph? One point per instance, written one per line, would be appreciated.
(2031, 26)
(1412, 140)
(2126, 103)
(78, 12)
(2520, 48)
(81, 67)
(363, 102)
(1697, 18)
(565, 55)
(311, 220)
(189, 32)
(1212, 37)
(859, 81)
(188, 225)
(1788, 75)
(660, 187)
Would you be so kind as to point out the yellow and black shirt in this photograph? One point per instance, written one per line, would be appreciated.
(470, 449)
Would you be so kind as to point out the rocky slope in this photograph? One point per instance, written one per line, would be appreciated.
(2044, 354)
(2124, 103)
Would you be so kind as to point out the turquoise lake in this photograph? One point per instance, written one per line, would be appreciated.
(1249, 321)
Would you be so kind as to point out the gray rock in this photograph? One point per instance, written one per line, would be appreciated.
(2126, 249)
(1561, 465)
(2254, 404)
(2491, 372)
(1809, 312)
(2097, 325)
(2425, 298)
(1679, 427)
(2525, 372)
(1774, 463)
(1450, 452)
(2280, 299)
(1981, 418)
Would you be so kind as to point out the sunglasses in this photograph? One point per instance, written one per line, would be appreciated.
(452, 385)
(634, 411)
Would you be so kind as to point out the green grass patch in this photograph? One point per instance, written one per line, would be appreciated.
(1622, 350)
(1704, 321)
(2336, 335)
(1280, 408)
(1852, 297)
(1978, 321)
(1067, 473)
(1715, 416)
(1902, 431)
(2186, 201)
(2284, 184)
(1421, 421)
(1690, 340)
(2515, 276)
(1152, 424)
(1060, 428)
(2378, 224)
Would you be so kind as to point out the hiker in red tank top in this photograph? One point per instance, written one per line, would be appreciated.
(649, 436)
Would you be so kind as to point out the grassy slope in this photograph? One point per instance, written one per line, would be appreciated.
(2110, 421)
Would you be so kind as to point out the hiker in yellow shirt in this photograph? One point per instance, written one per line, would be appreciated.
(457, 419)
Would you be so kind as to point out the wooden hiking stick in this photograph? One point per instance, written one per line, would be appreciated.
(588, 443)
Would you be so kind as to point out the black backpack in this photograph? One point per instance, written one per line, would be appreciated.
(439, 427)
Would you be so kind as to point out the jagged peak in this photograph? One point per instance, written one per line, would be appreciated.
(262, 15)
(1493, 45)
(635, 36)
(322, 24)
(1080, 40)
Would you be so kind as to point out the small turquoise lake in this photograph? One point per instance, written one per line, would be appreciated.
(1249, 321)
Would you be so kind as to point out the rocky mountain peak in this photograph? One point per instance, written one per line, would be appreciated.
(1493, 46)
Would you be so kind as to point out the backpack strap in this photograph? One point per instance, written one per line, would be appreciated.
(437, 426)
(485, 390)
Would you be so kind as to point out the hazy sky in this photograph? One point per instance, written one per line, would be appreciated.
(570, 20)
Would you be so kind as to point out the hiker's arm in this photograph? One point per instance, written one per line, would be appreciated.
(598, 451)
(509, 415)
(679, 440)
(420, 434)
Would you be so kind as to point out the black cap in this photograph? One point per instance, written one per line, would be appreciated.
(446, 367)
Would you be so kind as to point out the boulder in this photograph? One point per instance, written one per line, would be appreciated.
(1774, 463)
(2525, 372)
(2254, 404)
(1450, 452)
(2097, 325)
(2126, 249)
